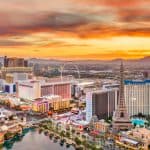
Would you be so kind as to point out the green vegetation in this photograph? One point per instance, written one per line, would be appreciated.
(62, 133)
(67, 134)
(108, 119)
(81, 141)
(78, 141)
(8, 135)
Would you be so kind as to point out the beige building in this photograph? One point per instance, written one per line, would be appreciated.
(50, 103)
(101, 126)
(143, 135)
(61, 104)
(9, 78)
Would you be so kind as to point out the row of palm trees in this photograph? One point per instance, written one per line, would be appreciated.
(79, 140)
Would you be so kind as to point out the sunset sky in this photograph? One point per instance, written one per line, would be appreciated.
(75, 29)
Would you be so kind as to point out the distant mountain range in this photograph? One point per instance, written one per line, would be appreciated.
(54, 61)
(141, 60)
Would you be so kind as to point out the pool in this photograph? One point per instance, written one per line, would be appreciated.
(139, 122)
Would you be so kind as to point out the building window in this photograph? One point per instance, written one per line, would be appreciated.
(122, 115)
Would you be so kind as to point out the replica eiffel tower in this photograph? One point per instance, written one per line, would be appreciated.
(121, 119)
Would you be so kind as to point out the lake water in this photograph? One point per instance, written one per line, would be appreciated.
(35, 141)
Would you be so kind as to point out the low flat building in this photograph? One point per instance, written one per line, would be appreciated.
(101, 126)
(14, 77)
(143, 135)
(50, 103)
(40, 105)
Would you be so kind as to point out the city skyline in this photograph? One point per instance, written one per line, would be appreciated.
(73, 29)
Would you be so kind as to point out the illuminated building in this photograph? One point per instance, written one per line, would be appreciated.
(61, 104)
(40, 105)
(50, 103)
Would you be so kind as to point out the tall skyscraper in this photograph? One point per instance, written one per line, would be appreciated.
(101, 103)
(137, 96)
(121, 119)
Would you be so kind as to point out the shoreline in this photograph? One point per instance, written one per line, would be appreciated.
(8, 144)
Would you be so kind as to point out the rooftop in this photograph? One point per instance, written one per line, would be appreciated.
(127, 82)
(42, 82)
(129, 141)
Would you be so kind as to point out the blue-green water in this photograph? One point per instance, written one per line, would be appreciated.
(32, 140)
(139, 122)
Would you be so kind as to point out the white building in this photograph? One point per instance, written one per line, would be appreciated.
(137, 97)
(4, 113)
(80, 87)
(29, 90)
(89, 107)
(32, 89)
(101, 103)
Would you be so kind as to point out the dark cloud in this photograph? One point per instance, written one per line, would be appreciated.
(12, 43)
(134, 15)
(46, 22)
(130, 14)
(63, 44)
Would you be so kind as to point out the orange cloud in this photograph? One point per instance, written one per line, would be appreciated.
(68, 26)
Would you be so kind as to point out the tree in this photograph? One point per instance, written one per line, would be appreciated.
(83, 136)
(11, 117)
(62, 134)
(8, 135)
(140, 115)
(79, 148)
(77, 140)
(134, 124)
(67, 134)
(73, 131)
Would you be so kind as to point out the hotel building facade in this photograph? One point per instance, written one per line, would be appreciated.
(137, 97)
(52, 103)
(35, 89)
(101, 103)
(15, 65)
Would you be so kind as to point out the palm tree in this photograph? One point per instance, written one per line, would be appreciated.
(73, 131)
(62, 134)
(77, 140)
(68, 134)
